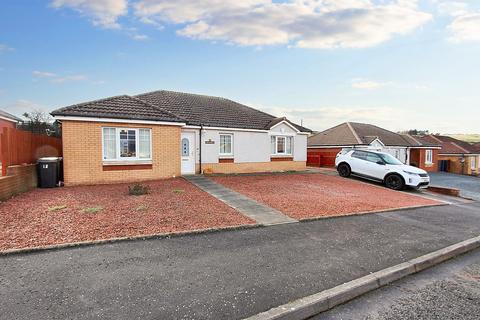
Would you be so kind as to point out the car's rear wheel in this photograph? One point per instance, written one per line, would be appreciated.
(344, 170)
(395, 182)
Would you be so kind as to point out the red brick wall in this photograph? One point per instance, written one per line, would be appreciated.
(417, 159)
(19, 179)
(322, 157)
(432, 167)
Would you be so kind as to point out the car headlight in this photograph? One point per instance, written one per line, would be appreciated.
(410, 173)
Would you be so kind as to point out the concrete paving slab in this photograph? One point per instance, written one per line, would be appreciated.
(261, 213)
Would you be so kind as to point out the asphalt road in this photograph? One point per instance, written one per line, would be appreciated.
(450, 291)
(225, 275)
(469, 186)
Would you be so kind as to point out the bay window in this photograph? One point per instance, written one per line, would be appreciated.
(124, 144)
(226, 144)
(281, 145)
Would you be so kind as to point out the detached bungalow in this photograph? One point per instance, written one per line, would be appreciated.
(456, 156)
(324, 146)
(166, 134)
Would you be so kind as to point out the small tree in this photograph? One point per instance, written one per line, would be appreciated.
(39, 122)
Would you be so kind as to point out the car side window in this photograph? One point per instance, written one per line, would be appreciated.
(359, 155)
(372, 157)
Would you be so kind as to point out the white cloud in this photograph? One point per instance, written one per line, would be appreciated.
(322, 118)
(465, 27)
(306, 24)
(21, 106)
(389, 117)
(140, 37)
(452, 8)
(5, 48)
(104, 13)
(43, 74)
(367, 84)
(74, 77)
(56, 78)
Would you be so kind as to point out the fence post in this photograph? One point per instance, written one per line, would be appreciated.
(5, 151)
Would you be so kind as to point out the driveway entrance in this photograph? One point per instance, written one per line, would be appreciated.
(469, 186)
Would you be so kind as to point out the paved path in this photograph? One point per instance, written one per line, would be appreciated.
(450, 291)
(469, 186)
(224, 275)
(261, 213)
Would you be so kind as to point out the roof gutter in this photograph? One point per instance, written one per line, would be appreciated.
(117, 120)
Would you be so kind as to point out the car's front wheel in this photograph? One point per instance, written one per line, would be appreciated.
(344, 170)
(395, 182)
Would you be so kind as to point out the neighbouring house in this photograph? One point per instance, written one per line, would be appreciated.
(324, 146)
(476, 147)
(7, 120)
(456, 156)
(164, 134)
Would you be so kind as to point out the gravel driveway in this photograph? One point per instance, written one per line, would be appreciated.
(469, 186)
(303, 196)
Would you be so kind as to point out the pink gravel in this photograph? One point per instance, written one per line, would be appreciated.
(55, 216)
(303, 196)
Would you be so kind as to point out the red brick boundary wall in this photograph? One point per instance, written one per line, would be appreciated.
(20, 178)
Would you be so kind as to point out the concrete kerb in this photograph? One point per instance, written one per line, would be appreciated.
(371, 212)
(309, 306)
(125, 239)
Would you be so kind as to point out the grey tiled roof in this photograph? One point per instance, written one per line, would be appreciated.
(193, 109)
(340, 135)
(211, 111)
(5, 114)
(119, 107)
(368, 132)
(353, 133)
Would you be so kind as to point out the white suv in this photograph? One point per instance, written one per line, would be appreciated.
(381, 167)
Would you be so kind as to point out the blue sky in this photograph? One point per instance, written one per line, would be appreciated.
(396, 63)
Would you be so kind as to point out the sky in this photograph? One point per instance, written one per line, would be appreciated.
(399, 64)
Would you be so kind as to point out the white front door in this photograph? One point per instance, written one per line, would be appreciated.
(187, 149)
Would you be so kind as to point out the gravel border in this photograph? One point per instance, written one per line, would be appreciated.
(129, 238)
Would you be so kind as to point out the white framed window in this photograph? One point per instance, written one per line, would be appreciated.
(281, 145)
(226, 144)
(473, 163)
(429, 156)
(127, 144)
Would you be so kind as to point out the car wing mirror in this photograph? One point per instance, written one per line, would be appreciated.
(380, 162)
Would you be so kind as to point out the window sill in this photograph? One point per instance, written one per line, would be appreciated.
(281, 158)
(126, 165)
(125, 162)
(225, 160)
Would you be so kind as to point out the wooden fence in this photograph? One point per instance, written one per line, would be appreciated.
(21, 147)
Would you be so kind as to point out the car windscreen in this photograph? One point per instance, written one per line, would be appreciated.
(389, 159)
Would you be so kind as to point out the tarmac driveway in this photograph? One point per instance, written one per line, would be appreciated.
(469, 186)
(224, 275)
